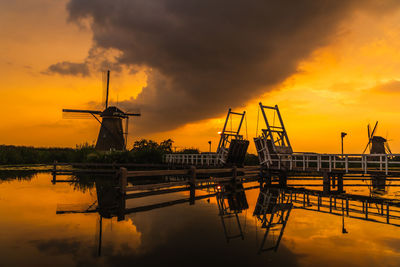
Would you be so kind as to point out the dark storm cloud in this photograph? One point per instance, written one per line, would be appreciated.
(208, 55)
(68, 68)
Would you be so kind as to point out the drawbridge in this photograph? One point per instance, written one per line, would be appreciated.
(232, 147)
(278, 160)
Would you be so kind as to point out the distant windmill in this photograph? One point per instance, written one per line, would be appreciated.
(376, 144)
(111, 135)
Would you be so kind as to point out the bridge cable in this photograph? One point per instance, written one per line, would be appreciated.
(273, 121)
(258, 116)
(245, 117)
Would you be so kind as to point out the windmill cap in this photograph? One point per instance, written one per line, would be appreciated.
(113, 112)
(378, 139)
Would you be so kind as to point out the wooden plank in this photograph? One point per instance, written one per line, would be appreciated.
(211, 171)
(155, 186)
(156, 173)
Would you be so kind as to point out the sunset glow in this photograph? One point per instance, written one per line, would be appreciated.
(344, 84)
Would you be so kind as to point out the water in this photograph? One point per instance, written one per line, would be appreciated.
(32, 234)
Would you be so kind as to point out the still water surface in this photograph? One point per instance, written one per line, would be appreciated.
(32, 234)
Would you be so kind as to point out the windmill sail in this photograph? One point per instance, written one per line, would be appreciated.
(111, 135)
(370, 137)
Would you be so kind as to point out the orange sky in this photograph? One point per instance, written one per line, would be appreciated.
(342, 86)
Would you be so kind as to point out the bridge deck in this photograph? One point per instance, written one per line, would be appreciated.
(385, 164)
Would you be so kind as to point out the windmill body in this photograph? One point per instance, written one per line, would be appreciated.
(111, 135)
(378, 145)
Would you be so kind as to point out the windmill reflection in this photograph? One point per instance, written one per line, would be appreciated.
(272, 210)
(110, 203)
(378, 185)
(231, 200)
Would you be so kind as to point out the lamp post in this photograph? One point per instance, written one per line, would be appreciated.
(343, 134)
(209, 142)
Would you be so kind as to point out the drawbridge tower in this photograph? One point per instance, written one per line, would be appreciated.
(232, 147)
(274, 139)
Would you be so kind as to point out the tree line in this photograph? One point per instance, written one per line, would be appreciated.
(142, 151)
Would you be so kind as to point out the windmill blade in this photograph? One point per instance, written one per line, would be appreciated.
(104, 87)
(107, 87)
(77, 208)
(126, 131)
(369, 131)
(99, 235)
(73, 115)
(373, 131)
(388, 148)
(82, 111)
(79, 114)
(133, 114)
(369, 141)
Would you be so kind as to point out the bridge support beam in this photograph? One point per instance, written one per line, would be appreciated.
(340, 183)
(283, 179)
(331, 181)
(326, 183)
(192, 184)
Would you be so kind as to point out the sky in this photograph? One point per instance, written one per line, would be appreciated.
(329, 66)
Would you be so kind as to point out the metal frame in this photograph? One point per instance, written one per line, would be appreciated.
(212, 159)
(226, 214)
(272, 214)
(228, 136)
(274, 139)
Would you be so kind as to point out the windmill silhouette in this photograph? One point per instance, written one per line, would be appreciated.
(111, 135)
(376, 144)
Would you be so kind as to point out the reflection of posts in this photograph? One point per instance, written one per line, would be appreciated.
(192, 184)
(272, 209)
(231, 200)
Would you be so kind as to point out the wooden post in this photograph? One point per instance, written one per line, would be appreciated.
(192, 184)
(330, 204)
(340, 183)
(282, 179)
(366, 209)
(54, 172)
(121, 207)
(319, 202)
(326, 183)
(123, 179)
(304, 199)
(347, 206)
(387, 213)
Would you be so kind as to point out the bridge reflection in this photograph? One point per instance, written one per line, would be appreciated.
(272, 209)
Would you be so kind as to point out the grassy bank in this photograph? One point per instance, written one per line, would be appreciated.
(143, 151)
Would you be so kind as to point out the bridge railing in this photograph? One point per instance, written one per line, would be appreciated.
(206, 159)
(365, 163)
